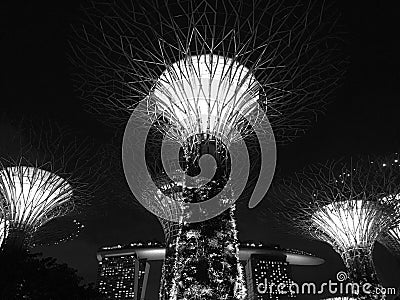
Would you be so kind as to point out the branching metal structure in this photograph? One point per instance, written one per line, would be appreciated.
(43, 177)
(208, 71)
(32, 197)
(205, 65)
(340, 203)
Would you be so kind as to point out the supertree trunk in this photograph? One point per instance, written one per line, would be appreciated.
(206, 263)
(172, 231)
(361, 272)
(16, 242)
(202, 259)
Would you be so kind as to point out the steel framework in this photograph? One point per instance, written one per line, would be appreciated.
(45, 177)
(340, 203)
(208, 70)
(205, 65)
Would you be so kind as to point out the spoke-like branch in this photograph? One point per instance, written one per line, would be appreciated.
(45, 174)
(291, 53)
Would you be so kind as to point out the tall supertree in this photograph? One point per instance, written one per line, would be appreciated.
(44, 176)
(340, 203)
(207, 75)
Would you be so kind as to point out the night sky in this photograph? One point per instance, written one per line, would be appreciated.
(363, 118)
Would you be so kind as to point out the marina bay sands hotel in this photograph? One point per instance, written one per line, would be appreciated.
(126, 271)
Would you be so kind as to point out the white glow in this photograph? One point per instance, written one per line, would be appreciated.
(349, 224)
(206, 94)
(32, 196)
(390, 198)
(394, 233)
(3, 231)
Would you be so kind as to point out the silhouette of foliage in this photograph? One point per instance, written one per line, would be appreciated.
(31, 276)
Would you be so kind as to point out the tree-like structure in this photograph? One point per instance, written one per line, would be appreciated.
(210, 73)
(31, 197)
(43, 176)
(186, 55)
(340, 203)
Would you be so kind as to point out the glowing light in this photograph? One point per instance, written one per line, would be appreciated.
(347, 212)
(32, 196)
(179, 64)
(206, 94)
(349, 224)
(395, 234)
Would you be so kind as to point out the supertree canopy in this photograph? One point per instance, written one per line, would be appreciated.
(33, 196)
(207, 75)
(44, 176)
(205, 65)
(340, 203)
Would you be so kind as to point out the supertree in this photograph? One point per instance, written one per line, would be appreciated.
(340, 203)
(207, 75)
(44, 176)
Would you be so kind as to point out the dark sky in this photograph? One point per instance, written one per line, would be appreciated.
(363, 118)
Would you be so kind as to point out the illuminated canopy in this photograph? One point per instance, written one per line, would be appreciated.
(206, 94)
(32, 196)
(349, 224)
